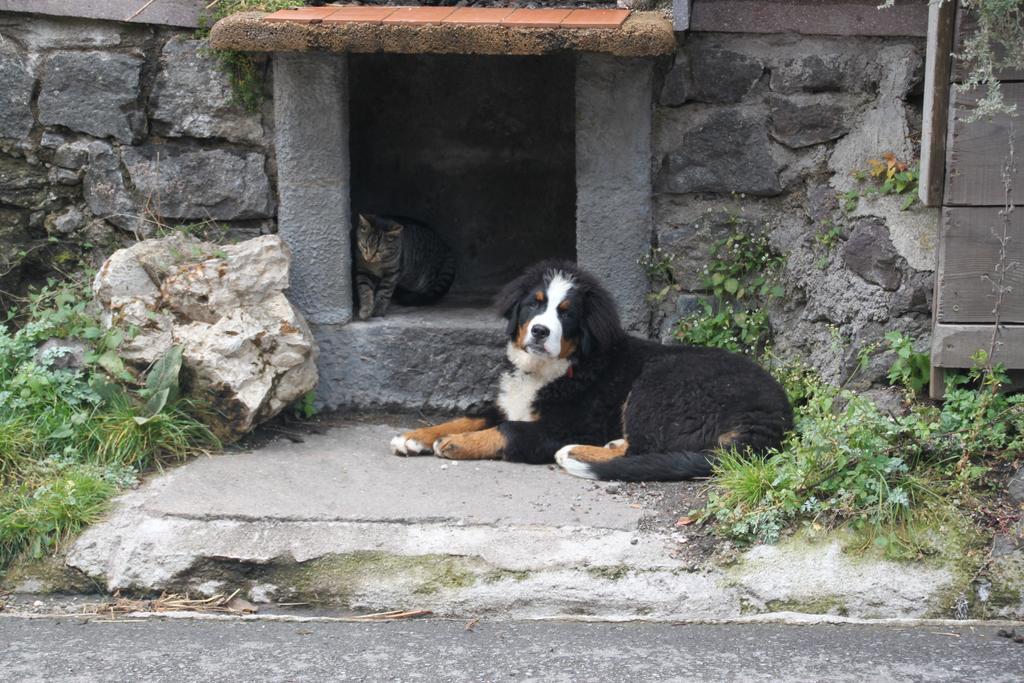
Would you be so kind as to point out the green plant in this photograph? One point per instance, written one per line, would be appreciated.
(37, 520)
(886, 176)
(911, 369)
(241, 68)
(741, 275)
(305, 407)
(70, 438)
(891, 480)
(657, 264)
(727, 326)
(829, 235)
(996, 45)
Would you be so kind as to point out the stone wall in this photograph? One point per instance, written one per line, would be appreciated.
(110, 132)
(761, 134)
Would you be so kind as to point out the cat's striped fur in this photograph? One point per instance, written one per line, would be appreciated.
(400, 259)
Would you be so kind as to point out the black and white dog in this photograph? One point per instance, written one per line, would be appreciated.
(579, 381)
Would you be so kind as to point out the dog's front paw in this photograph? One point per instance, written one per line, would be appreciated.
(404, 446)
(487, 444)
(447, 447)
(574, 467)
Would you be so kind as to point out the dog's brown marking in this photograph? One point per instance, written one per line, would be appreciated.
(568, 348)
(564, 306)
(539, 296)
(428, 435)
(728, 438)
(625, 404)
(486, 444)
(598, 453)
(521, 337)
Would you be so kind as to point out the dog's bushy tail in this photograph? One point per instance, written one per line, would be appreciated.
(644, 467)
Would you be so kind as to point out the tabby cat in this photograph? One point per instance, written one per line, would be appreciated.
(402, 259)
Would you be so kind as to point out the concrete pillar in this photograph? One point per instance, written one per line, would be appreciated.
(613, 177)
(311, 137)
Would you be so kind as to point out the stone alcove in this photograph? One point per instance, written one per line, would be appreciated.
(516, 144)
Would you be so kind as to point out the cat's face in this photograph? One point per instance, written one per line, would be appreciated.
(377, 239)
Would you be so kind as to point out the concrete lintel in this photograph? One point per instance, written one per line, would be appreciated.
(311, 114)
(613, 177)
(645, 34)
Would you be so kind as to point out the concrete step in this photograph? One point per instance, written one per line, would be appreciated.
(339, 522)
(444, 357)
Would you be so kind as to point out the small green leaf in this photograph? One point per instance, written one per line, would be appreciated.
(114, 340)
(111, 362)
(731, 285)
(155, 403)
(62, 432)
(106, 390)
(163, 377)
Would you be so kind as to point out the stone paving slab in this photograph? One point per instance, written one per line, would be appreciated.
(349, 474)
(338, 522)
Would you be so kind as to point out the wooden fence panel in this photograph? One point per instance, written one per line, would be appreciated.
(967, 24)
(968, 257)
(935, 119)
(977, 152)
(953, 345)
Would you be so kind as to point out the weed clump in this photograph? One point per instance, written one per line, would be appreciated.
(72, 434)
(894, 480)
(242, 70)
(741, 276)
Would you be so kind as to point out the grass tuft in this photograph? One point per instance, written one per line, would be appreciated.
(71, 438)
(893, 480)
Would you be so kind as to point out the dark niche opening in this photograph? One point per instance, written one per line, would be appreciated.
(480, 148)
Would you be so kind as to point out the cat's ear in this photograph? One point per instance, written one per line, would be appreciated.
(364, 222)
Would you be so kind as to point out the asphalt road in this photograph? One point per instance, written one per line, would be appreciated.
(430, 650)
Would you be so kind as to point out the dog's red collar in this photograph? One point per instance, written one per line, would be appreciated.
(568, 373)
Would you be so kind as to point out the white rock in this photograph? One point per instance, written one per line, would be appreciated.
(247, 350)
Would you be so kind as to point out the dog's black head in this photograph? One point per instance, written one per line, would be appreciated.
(556, 310)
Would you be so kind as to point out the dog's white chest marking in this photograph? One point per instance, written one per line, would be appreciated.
(518, 389)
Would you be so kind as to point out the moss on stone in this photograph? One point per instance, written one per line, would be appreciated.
(962, 549)
(612, 572)
(335, 578)
(1005, 576)
(496, 575)
(47, 574)
(826, 604)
